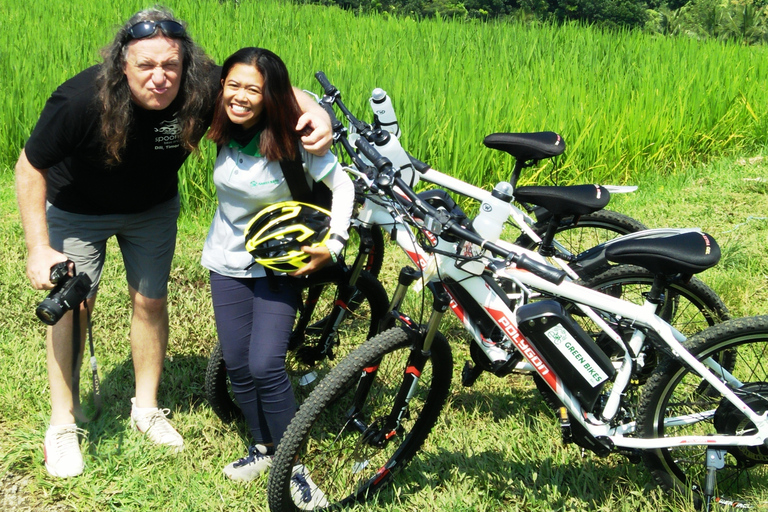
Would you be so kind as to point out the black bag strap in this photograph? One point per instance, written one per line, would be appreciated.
(293, 170)
(295, 176)
(316, 193)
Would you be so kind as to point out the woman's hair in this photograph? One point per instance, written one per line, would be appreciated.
(196, 88)
(280, 110)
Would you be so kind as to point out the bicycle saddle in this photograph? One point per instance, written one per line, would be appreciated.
(562, 201)
(527, 146)
(688, 253)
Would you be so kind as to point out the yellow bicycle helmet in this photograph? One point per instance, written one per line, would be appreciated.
(274, 236)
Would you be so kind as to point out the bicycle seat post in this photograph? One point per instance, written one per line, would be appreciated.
(656, 294)
(547, 247)
(520, 164)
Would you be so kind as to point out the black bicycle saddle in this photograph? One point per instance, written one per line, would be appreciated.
(527, 146)
(685, 253)
(566, 200)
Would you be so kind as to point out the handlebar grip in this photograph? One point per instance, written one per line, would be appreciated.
(418, 164)
(546, 272)
(380, 162)
(328, 88)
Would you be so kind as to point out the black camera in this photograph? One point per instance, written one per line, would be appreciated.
(68, 293)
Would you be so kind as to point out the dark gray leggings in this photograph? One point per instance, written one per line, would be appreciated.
(254, 324)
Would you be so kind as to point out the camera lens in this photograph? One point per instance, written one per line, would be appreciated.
(49, 311)
(68, 294)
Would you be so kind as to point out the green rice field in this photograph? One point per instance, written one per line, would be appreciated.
(627, 104)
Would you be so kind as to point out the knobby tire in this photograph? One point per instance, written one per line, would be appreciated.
(332, 446)
(360, 323)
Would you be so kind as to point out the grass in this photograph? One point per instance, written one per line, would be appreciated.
(496, 447)
(632, 109)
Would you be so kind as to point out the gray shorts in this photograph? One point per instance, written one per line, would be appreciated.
(147, 241)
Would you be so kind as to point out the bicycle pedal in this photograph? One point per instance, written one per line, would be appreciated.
(307, 379)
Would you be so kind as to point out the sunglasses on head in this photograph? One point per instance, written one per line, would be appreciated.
(149, 28)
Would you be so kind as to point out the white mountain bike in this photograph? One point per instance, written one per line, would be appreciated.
(699, 422)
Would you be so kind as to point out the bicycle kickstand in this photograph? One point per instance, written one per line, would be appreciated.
(715, 461)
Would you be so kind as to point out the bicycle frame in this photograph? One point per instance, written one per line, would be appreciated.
(443, 263)
(439, 265)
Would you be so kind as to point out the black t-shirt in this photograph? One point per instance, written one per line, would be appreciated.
(67, 141)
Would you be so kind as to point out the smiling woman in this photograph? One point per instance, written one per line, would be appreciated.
(255, 127)
(241, 94)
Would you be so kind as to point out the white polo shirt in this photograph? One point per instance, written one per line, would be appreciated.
(245, 184)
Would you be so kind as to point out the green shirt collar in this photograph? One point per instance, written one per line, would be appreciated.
(251, 149)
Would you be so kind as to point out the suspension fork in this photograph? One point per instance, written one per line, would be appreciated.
(345, 300)
(346, 277)
(352, 273)
(378, 435)
(363, 254)
(407, 276)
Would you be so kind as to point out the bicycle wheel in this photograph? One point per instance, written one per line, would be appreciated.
(315, 346)
(689, 307)
(676, 402)
(338, 433)
(590, 230)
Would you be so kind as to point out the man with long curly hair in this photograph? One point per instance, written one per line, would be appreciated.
(102, 161)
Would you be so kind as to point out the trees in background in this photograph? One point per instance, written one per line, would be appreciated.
(743, 21)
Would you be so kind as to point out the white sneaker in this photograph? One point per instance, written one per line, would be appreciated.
(152, 421)
(305, 494)
(250, 467)
(62, 450)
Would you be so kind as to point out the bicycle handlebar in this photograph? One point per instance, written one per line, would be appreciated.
(333, 93)
(442, 221)
(339, 132)
(387, 178)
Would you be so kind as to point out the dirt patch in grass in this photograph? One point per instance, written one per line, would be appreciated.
(15, 496)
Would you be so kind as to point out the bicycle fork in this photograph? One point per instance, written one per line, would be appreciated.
(346, 300)
(378, 433)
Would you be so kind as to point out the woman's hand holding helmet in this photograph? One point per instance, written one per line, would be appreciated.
(318, 258)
